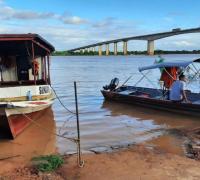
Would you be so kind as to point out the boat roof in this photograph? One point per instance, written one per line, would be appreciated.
(21, 44)
(180, 64)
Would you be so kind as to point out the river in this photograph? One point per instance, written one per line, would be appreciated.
(104, 126)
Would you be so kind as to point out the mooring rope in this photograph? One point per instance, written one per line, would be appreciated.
(74, 140)
(62, 102)
(67, 109)
(64, 123)
(38, 125)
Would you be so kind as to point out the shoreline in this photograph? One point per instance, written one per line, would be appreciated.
(129, 163)
(130, 53)
(159, 158)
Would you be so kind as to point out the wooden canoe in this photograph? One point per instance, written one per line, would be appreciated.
(153, 98)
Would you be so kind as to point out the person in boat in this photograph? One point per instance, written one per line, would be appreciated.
(168, 76)
(177, 92)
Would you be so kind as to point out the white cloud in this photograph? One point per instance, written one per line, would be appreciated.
(168, 19)
(32, 15)
(176, 13)
(180, 42)
(73, 20)
(68, 37)
(65, 36)
(9, 13)
(110, 21)
(183, 43)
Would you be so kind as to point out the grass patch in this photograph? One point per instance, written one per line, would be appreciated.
(47, 163)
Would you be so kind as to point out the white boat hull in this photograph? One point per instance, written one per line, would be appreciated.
(20, 114)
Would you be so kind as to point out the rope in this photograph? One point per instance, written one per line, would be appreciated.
(64, 123)
(68, 110)
(62, 102)
(38, 125)
(76, 141)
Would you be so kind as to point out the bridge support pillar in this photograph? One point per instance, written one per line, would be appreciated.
(150, 47)
(107, 50)
(100, 50)
(115, 49)
(125, 47)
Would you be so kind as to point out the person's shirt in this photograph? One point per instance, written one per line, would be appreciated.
(176, 90)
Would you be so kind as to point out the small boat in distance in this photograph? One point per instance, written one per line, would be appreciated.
(157, 98)
(24, 81)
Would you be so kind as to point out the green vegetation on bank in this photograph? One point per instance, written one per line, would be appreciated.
(48, 163)
(66, 53)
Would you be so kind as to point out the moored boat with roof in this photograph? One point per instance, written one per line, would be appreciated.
(158, 98)
(24, 81)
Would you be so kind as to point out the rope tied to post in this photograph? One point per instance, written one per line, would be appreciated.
(74, 140)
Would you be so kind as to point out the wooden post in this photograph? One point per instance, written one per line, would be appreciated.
(33, 58)
(42, 67)
(49, 79)
(45, 70)
(80, 162)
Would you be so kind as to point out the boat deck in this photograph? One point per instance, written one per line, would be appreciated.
(153, 93)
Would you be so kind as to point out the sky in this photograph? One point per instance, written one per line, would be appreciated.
(69, 24)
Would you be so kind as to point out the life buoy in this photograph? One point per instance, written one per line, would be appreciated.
(35, 66)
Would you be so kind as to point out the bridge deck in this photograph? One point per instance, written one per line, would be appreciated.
(149, 37)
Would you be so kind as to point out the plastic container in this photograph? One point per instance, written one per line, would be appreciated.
(29, 96)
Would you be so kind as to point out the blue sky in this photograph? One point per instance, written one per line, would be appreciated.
(69, 24)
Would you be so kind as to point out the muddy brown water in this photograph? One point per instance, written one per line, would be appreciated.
(104, 125)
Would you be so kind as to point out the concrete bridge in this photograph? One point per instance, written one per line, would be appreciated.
(150, 38)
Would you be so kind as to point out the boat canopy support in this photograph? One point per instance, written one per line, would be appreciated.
(181, 64)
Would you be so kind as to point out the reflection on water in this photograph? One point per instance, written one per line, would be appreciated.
(33, 141)
(103, 124)
(112, 124)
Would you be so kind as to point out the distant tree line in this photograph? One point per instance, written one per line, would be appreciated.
(95, 53)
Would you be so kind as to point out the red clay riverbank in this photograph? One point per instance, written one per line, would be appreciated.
(135, 163)
(32, 142)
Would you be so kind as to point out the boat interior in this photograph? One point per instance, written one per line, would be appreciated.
(152, 93)
(18, 71)
(24, 60)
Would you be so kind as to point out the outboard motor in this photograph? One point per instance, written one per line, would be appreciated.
(113, 84)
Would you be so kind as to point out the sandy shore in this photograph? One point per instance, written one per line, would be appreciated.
(160, 158)
(137, 162)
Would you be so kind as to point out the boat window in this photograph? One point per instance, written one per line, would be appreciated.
(8, 68)
(19, 70)
(23, 66)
